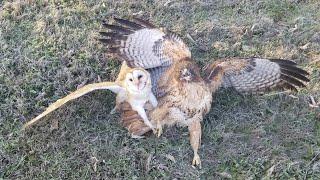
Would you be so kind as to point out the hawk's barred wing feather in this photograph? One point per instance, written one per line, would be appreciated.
(155, 74)
(141, 44)
(135, 43)
(256, 75)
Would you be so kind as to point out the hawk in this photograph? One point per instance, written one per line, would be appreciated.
(184, 96)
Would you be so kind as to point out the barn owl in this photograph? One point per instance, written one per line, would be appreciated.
(184, 95)
(133, 85)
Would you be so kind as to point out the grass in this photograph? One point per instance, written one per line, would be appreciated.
(48, 48)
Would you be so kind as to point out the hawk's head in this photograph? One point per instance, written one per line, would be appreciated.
(188, 72)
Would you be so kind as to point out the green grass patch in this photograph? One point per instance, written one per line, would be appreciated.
(49, 48)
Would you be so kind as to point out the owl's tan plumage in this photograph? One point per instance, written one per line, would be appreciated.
(124, 87)
(184, 96)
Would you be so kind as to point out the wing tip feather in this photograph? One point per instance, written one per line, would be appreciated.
(292, 80)
(143, 22)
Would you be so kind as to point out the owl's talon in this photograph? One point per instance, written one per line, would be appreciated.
(196, 161)
(151, 126)
(113, 111)
(136, 136)
(154, 130)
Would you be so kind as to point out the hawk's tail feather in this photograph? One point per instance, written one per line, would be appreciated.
(132, 121)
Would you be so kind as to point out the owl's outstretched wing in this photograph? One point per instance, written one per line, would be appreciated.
(257, 75)
(141, 44)
(114, 87)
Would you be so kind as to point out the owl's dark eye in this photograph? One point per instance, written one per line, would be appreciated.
(130, 79)
(140, 76)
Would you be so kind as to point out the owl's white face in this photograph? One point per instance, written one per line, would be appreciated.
(138, 81)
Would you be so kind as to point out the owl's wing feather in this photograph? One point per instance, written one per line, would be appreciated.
(114, 87)
(141, 44)
(257, 75)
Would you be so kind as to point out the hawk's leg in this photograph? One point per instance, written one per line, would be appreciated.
(159, 130)
(195, 141)
(158, 116)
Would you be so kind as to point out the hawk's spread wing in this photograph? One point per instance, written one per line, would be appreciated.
(155, 74)
(141, 44)
(114, 87)
(255, 75)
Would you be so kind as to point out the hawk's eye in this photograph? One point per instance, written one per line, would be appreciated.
(140, 76)
(130, 79)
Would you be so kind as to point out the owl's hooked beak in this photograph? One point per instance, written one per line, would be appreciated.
(139, 83)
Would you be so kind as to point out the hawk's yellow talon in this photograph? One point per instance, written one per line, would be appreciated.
(158, 131)
(196, 161)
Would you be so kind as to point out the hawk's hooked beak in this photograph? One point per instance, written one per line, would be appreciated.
(186, 75)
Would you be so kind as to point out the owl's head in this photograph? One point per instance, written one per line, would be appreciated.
(138, 81)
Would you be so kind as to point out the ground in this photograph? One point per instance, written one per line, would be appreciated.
(49, 48)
